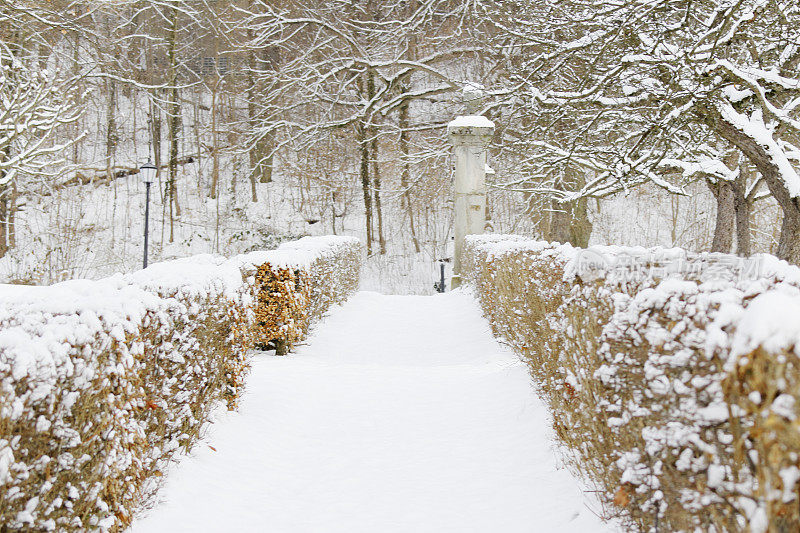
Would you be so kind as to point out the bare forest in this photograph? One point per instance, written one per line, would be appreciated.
(633, 122)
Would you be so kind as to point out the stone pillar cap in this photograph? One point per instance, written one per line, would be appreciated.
(470, 129)
(478, 122)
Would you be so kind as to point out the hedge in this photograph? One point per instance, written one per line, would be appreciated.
(673, 378)
(102, 382)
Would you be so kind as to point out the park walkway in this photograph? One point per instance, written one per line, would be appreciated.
(401, 414)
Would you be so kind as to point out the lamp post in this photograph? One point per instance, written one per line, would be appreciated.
(148, 173)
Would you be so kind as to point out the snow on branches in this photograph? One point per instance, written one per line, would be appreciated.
(611, 91)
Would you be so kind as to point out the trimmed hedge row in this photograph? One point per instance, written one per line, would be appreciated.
(673, 378)
(102, 382)
(297, 288)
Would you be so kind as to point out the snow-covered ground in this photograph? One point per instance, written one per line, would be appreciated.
(401, 413)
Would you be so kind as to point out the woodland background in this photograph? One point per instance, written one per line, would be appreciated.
(631, 122)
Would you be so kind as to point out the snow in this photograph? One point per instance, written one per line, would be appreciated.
(755, 128)
(469, 121)
(402, 413)
(772, 320)
(474, 89)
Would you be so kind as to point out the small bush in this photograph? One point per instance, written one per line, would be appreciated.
(292, 297)
(676, 390)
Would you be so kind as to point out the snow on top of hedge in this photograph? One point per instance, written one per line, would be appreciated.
(298, 254)
(200, 274)
(758, 297)
(498, 245)
(41, 324)
(772, 320)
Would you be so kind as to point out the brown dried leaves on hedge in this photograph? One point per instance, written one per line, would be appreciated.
(652, 388)
(101, 383)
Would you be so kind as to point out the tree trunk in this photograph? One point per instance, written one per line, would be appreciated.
(76, 68)
(215, 144)
(174, 132)
(111, 124)
(362, 136)
(261, 157)
(12, 215)
(252, 114)
(789, 241)
(4, 223)
(559, 223)
(376, 181)
(5, 206)
(580, 228)
(155, 119)
(405, 176)
(742, 208)
(363, 144)
(197, 135)
(726, 216)
(174, 125)
(376, 177)
(569, 222)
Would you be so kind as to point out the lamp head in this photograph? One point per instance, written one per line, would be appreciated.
(148, 172)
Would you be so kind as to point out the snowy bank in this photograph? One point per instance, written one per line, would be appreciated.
(673, 377)
(101, 382)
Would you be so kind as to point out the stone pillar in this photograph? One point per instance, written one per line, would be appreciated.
(470, 135)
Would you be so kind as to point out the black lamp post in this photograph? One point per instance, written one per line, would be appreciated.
(148, 173)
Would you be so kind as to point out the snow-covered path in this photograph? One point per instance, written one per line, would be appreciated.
(401, 414)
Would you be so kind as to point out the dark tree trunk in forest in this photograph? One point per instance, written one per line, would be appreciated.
(155, 119)
(261, 158)
(742, 208)
(12, 215)
(6, 206)
(376, 176)
(174, 132)
(726, 216)
(111, 124)
(260, 154)
(789, 241)
(174, 120)
(362, 136)
(580, 229)
(559, 223)
(76, 68)
(363, 144)
(376, 183)
(405, 176)
(174, 126)
(5, 193)
(569, 221)
(403, 123)
(212, 193)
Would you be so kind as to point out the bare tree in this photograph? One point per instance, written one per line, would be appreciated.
(35, 103)
(617, 88)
